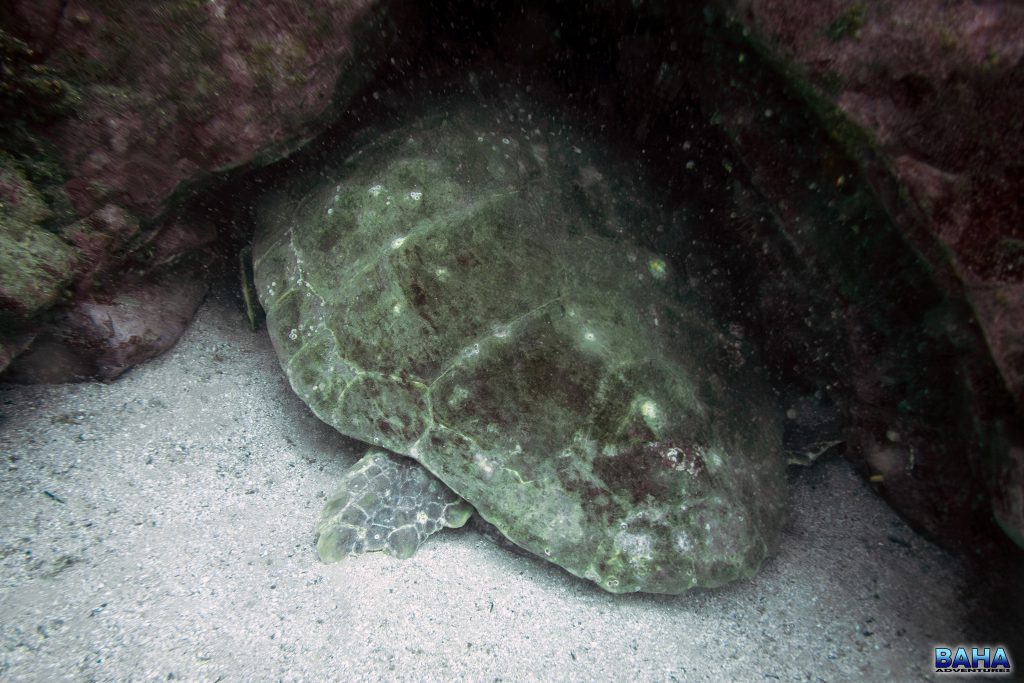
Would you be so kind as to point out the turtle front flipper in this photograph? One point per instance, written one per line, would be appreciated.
(386, 502)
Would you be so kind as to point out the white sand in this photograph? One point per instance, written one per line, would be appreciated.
(181, 548)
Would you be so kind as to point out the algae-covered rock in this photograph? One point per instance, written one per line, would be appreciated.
(35, 264)
(114, 111)
(467, 291)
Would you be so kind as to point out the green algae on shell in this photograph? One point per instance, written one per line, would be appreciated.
(465, 291)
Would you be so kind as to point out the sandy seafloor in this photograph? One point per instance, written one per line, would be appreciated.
(160, 528)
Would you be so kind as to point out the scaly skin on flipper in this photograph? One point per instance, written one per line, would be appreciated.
(386, 502)
(465, 291)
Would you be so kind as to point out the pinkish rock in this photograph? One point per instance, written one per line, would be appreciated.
(101, 241)
(35, 264)
(165, 95)
(177, 90)
(101, 336)
(934, 92)
(939, 88)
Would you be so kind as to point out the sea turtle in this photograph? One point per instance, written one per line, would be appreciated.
(467, 292)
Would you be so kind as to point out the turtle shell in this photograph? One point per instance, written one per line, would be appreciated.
(467, 290)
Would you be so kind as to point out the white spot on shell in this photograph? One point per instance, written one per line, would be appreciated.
(649, 409)
(637, 546)
(376, 190)
(485, 465)
(416, 195)
(658, 268)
